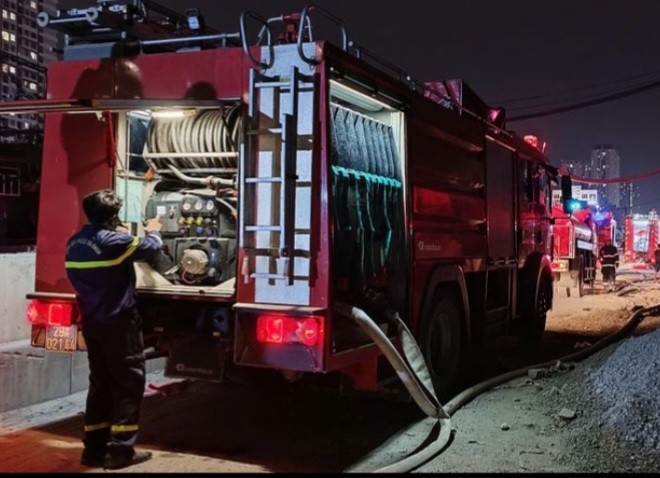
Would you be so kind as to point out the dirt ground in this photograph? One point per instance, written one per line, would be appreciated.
(556, 420)
(562, 418)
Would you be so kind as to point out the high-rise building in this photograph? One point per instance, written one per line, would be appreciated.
(606, 164)
(630, 199)
(25, 52)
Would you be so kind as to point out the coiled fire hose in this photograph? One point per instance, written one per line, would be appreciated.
(418, 382)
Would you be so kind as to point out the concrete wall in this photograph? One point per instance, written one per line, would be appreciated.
(31, 375)
(16, 280)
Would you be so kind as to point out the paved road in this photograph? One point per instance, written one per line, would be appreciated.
(210, 427)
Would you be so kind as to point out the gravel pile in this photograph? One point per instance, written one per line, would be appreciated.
(628, 383)
(616, 394)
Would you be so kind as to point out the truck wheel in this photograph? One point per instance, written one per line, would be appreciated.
(533, 323)
(441, 343)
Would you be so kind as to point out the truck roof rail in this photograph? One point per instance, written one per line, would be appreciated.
(140, 22)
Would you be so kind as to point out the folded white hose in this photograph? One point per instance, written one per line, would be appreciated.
(417, 381)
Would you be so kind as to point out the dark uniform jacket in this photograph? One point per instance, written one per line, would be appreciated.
(609, 256)
(99, 264)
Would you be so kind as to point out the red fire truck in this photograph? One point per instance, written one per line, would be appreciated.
(575, 250)
(578, 235)
(605, 227)
(640, 238)
(336, 181)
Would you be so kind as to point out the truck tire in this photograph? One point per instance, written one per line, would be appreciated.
(533, 322)
(441, 342)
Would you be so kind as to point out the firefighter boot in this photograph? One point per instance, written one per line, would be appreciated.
(92, 459)
(96, 447)
(116, 462)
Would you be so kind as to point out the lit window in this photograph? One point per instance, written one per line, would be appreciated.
(12, 16)
(33, 55)
(5, 68)
(33, 86)
(5, 36)
(33, 5)
(12, 70)
(4, 13)
(12, 37)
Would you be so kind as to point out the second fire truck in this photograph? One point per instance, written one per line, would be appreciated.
(578, 235)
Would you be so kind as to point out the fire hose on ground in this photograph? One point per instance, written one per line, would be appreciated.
(413, 372)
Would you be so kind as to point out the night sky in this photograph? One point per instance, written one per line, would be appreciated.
(551, 53)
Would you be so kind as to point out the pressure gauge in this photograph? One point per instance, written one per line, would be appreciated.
(186, 206)
(198, 205)
(210, 205)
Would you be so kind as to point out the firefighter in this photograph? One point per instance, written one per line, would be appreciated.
(99, 265)
(609, 259)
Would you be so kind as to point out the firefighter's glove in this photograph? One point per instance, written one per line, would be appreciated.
(153, 225)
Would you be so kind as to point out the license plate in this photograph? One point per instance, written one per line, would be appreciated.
(61, 338)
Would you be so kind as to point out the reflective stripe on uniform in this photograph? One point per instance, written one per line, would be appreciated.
(98, 426)
(123, 428)
(101, 264)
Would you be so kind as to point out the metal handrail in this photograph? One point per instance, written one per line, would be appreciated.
(304, 18)
(246, 49)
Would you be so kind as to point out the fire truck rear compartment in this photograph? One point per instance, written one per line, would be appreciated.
(168, 157)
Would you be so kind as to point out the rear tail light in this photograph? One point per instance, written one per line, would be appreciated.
(50, 313)
(281, 329)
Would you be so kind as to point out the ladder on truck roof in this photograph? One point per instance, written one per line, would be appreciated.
(269, 190)
(97, 30)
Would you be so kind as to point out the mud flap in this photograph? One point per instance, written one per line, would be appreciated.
(197, 357)
(570, 284)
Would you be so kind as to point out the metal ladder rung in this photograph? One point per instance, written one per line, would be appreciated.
(285, 85)
(271, 84)
(262, 228)
(264, 275)
(265, 179)
(263, 251)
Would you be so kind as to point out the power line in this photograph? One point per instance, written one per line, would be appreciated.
(561, 102)
(625, 179)
(584, 104)
(573, 90)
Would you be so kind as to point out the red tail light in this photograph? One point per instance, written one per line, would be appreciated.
(280, 329)
(50, 313)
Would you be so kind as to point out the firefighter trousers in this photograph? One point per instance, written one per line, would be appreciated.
(115, 351)
(609, 273)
